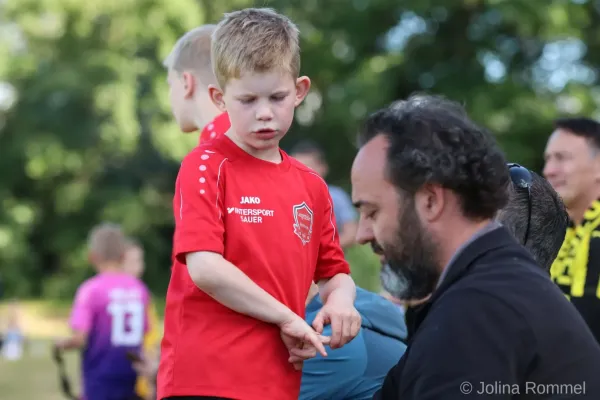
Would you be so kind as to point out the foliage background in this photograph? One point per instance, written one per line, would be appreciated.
(86, 132)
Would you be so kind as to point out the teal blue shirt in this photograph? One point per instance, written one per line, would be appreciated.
(357, 370)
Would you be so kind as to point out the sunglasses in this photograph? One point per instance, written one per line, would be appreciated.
(522, 180)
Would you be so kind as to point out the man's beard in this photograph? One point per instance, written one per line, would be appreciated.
(411, 271)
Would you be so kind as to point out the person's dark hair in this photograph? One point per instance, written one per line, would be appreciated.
(432, 140)
(581, 126)
(549, 219)
(308, 147)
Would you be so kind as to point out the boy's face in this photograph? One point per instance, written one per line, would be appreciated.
(181, 90)
(261, 106)
(133, 262)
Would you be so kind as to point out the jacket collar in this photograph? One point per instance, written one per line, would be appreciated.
(463, 262)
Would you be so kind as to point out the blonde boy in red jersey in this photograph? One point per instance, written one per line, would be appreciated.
(254, 228)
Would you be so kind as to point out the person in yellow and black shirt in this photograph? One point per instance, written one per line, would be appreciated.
(572, 166)
(133, 263)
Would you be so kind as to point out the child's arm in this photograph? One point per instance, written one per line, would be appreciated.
(228, 285)
(76, 341)
(336, 287)
(80, 321)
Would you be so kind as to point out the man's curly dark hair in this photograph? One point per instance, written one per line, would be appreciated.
(432, 140)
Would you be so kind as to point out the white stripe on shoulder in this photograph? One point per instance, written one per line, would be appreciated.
(329, 200)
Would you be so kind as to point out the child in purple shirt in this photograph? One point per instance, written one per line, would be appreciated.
(109, 319)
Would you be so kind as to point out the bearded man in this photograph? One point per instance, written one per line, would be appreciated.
(428, 183)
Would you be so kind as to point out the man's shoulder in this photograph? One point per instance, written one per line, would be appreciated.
(508, 276)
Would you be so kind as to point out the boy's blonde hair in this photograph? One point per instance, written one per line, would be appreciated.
(254, 40)
(191, 54)
(107, 243)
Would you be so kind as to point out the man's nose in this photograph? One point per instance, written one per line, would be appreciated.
(550, 169)
(364, 233)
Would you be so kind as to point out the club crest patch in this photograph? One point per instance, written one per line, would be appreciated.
(303, 222)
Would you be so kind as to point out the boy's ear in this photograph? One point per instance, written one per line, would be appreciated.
(216, 95)
(302, 88)
(189, 84)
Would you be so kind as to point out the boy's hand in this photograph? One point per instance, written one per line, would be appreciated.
(299, 350)
(61, 345)
(345, 321)
(301, 340)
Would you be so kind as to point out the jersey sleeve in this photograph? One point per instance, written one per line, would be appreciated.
(331, 259)
(198, 204)
(82, 313)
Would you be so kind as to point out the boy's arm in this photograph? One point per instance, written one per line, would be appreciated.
(80, 321)
(199, 244)
(336, 287)
(227, 284)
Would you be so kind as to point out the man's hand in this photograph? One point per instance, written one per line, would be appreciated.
(301, 341)
(345, 321)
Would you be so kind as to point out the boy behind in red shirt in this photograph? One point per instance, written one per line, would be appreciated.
(254, 228)
(189, 75)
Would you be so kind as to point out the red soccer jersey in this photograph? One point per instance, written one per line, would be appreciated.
(215, 129)
(273, 221)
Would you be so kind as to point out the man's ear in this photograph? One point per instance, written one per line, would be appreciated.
(216, 95)
(189, 85)
(302, 88)
(430, 201)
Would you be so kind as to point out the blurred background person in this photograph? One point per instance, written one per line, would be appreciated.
(573, 168)
(311, 155)
(189, 74)
(109, 319)
(147, 362)
(13, 338)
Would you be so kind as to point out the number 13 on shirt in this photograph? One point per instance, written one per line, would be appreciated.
(127, 325)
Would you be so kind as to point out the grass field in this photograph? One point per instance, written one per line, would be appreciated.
(35, 376)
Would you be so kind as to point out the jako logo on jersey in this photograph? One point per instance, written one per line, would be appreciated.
(250, 200)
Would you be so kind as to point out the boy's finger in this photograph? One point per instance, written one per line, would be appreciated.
(305, 353)
(316, 341)
(318, 322)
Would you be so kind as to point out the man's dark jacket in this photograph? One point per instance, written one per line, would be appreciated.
(496, 327)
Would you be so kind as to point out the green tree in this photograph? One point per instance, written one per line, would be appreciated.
(86, 133)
